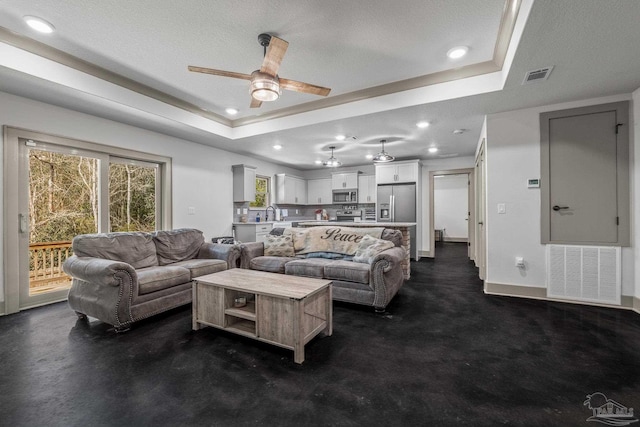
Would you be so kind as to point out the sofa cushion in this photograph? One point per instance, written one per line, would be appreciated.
(200, 267)
(392, 235)
(135, 248)
(327, 255)
(272, 264)
(152, 279)
(177, 245)
(310, 267)
(369, 247)
(278, 246)
(347, 271)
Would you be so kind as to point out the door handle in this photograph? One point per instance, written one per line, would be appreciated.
(559, 208)
(480, 223)
(22, 223)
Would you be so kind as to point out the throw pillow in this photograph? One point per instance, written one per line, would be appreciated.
(369, 247)
(278, 245)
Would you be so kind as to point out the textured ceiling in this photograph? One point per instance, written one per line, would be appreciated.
(348, 46)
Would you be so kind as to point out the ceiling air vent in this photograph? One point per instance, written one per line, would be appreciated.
(537, 75)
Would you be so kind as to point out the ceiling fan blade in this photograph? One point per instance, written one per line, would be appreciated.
(304, 87)
(255, 103)
(219, 72)
(273, 58)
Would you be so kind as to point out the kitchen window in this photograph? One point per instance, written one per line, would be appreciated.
(263, 199)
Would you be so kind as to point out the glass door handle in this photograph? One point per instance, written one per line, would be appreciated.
(23, 223)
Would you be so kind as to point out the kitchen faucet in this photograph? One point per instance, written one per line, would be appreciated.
(266, 213)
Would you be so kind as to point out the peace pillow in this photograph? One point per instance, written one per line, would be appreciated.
(278, 245)
(369, 247)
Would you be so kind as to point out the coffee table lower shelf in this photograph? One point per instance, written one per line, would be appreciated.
(287, 317)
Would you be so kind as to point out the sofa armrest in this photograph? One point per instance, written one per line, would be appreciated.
(386, 275)
(103, 272)
(102, 288)
(248, 251)
(225, 252)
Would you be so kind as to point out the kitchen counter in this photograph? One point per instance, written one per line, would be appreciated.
(402, 226)
(357, 224)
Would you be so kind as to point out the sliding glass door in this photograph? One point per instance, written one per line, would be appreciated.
(63, 190)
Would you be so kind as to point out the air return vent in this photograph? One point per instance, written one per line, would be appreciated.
(584, 273)
(537, 75)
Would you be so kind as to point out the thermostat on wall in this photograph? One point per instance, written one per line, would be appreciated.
(533, 183)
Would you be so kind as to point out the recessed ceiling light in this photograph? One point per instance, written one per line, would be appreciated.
(232, 111)
(433, 149)
(458, 131)
(422, 125)
(277, 147)
(369, 156)
(341, 137)
(39, 24)
(457, 52)
(318, 162)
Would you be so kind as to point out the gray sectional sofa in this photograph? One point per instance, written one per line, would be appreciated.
(372, 283)
(121, 278)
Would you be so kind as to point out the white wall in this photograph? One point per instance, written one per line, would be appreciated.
(202, 176)
(635, 187)
(436, 165)
(451, 205)
(513, 156)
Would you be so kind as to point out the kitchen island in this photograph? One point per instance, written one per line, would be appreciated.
(402, 226)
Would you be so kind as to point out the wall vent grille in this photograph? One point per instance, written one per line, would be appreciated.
(584, 273)
(537, 75)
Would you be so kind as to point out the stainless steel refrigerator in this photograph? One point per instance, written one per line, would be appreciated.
(397, 203)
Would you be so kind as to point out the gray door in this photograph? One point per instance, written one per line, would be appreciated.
(583, 178)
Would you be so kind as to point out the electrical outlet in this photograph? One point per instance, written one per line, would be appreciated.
(238, 211)
(519, 262)
(192, 210)
(245, 211)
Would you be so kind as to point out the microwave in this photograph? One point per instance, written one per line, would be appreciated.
(345, 196)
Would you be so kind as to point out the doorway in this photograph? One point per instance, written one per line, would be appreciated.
(468, 217)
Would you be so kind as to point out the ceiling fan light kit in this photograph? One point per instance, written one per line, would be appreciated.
(383, 156)
(264, 87)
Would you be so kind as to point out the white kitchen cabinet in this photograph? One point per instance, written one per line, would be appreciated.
(319, 192)
(290, 190)
(244, 183)
(367, 189)
(252, 231)
(398, 172)
(342, 181)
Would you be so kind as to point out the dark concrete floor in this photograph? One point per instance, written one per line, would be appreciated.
(444, 354)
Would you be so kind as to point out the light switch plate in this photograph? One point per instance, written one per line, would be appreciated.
(192, 210)
(502, 208)
(245, 211)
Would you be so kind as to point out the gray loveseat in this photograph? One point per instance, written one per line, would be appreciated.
(121, 278)
(373, 283)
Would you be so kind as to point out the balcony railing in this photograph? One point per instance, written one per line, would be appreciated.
(45, 266)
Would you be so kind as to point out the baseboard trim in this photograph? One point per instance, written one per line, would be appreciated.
(456, 239)
(535, 292)
(426, 254)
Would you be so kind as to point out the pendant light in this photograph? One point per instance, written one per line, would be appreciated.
(383, 156)
(332, 162)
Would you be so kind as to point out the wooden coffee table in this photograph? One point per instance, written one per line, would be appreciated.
(287, 311)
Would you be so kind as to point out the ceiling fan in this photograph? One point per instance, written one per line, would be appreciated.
(265, 83)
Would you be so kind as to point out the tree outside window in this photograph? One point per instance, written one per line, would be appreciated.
(262, 193)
